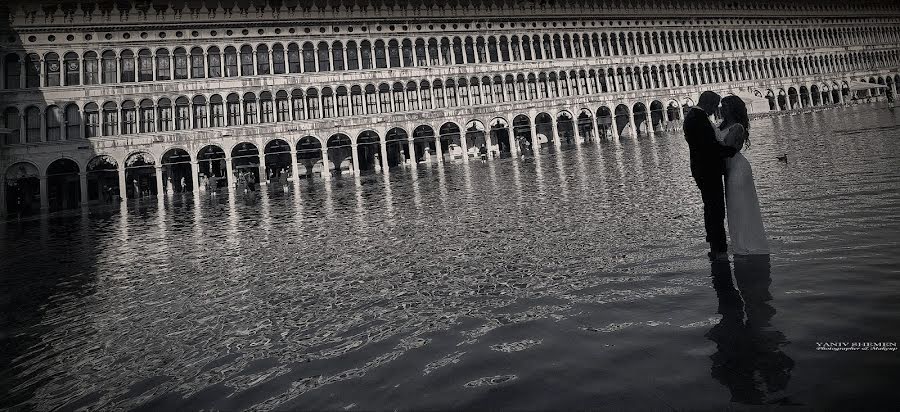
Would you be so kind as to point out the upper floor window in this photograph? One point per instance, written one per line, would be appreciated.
(72, 69)
(52, 69)
(198, 65)
(181, 63)
(231, 62)
(163, 65)
(109, 67)
(127, 66)
(145, 66)
(13, 71)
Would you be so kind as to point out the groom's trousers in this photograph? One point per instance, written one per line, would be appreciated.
(712, 190)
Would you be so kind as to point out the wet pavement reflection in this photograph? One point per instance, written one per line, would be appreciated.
(574, 280)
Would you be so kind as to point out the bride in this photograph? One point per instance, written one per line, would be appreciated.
(745, 226)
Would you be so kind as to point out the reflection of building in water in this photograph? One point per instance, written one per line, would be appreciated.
(749, 359)
(201, 91)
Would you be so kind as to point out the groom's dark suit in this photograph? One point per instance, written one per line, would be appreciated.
(708, 169)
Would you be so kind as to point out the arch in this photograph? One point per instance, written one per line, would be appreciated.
(521, 131)
(424, 143)
(397, 147)
(309, 157)
(500, 136)
(584, 125)
(245, 165)
(565, 128)
(176, 171)
(22, 189)
(140, 175)
(639, 111)
(213, 173)
(63, 184)
(604, 122)
(340, 154)
(475, 137)
(451, 143)
(657, 115)
(623, 118)
(102, 178)
(278, 159)
(368, 151)
(543, 127)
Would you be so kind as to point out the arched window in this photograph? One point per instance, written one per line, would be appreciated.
(504, 49)
(11, 122)
(163, 65)
(198, 109)
(214, 60)
(250, 116)
(266, 109)
(394, 53)
(458, 51)
(231, 62)
(412, 96)
(293, 58)
(492, 49)
(352, 56)
(109, 67)
(72, 68)
(110, 119)
(343, 102)
(366, 55)
(356, 100)
(145, 66)
(246, 60)
(437, 89)
(181, 63)
(337, 55)
(51, 69)
(297, 106)
(91, 68)
(126, 58)
(182, 113)
(481, 49)
(281, 106)
(433, 56)
(399, 97)
(475, 87)
(73, 122)
(13, 72)
(425, 90)
(33, 71)
(147, 116)
(262, 59)
(384, 95)
(324, 57)
(407, 53)
(198, 65)
(54, 122)
(380, 55)
(129, 117)
(450, 93)
(327, 103)
(164, 111)
(462, 92)
(309, 57)
(216, 111)
(278, 66)
(371, 100)
(233, 109)
(421, 57)
(32, 125)
(312, 104)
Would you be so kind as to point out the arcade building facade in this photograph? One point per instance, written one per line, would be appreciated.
(106, 102)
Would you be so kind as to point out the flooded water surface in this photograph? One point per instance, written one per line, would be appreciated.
(574, 280)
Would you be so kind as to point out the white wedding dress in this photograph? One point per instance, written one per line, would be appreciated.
(745, 225)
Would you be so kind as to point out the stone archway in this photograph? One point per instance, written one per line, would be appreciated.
(500, 137)
(424, 144)
(522, 134)
(340, 154)
(23, 189)
(657, 116)
(623, 118)
(565, 128)
(213, 170)
(309, 157)
(176, 170)
(585, 126)
(140, 175)
(368, 150)
(543, 127)
(604, 122)
(451, 141)
(397, 147)
(102, 179)
(476, 138)
(278, 160)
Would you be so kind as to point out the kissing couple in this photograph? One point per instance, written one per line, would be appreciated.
(724, 176)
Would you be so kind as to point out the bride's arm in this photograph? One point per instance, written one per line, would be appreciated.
(735, 137)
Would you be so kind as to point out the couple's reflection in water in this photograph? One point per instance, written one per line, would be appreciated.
(749, 359)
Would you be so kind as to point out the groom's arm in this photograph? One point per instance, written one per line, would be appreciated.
(713, 145)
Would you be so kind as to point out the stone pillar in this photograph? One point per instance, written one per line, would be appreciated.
(532, 130)
(295, 170)
(22, 127)
(229, 172)
(263, 173)
(464, 145)
(634, 129)
(513, 143)
(438, 151)
(195, 176)
(555, 132)
(123, 185)
(82, 180)
(595, 130)
(160, 185)
(118, 68)
(384, 162)
(326, 170)
(243, 119)
(45, 201)
(81, 69)
(22, 73)
(614, 126)
(411, 147)
(355, 155)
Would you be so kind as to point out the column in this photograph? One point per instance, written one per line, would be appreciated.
(384, 161)
(263, 173)
(595, 130)
(295, 171)
(123, 186)
(614, 126)
(43, 115)
(513, 144)
(22, 73)
(81, 69)
(160, 187)
(243, 119)
(195, 176)
(326, 171)
(532, 130)
(634, 129)
(462, 142)
(22, 126)
(555, 133)
(229, 171)
(2, 197)
(411, 146)
(45, 201)
(82, 180)
(355, 155)
(488, 141)
(118, 68)
(438, 151)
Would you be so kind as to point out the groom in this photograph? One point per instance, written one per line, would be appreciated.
(708, 169)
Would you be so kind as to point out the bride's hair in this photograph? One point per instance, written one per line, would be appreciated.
(738, 110)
